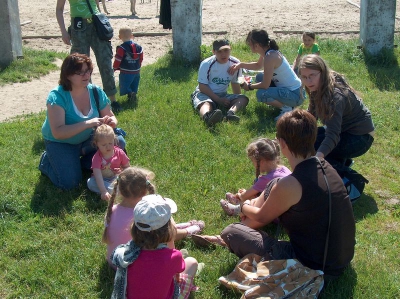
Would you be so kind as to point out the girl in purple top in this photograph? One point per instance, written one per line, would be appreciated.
(265, 155)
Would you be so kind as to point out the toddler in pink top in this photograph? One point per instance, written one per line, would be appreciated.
(131, 185)
(264, 153)
(107, 162)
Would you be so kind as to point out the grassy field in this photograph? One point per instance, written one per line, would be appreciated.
(50, 241)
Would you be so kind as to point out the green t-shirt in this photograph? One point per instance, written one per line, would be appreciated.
(304, 51)
(79, 8)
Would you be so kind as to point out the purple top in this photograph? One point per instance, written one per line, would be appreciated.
(279, 172)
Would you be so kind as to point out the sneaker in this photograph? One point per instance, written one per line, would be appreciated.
(212, 117)
(116, 107)
(232, 198)
(284, 109)
(231, 116)
(229, 209)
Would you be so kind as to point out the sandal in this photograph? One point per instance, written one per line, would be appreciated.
(208, 241)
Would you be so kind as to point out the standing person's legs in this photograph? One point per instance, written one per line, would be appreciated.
(61, 163)
(104, 55)
(80, 38)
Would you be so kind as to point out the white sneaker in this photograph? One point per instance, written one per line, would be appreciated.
(284, 109)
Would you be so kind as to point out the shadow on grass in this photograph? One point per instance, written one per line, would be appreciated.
(383, 69)
(38, 146)
(52, 201)
(175, 70)
(343, 287)
(365, 205)
(105, 283)
(264, 122)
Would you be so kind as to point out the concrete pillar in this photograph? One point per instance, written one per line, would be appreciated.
(186, 28)
(377, 20)
(10, 32)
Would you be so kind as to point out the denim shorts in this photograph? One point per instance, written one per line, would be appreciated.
(291, 98)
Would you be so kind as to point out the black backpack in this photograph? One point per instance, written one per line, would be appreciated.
(353, 181)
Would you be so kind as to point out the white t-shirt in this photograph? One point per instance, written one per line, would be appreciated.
(215, 74)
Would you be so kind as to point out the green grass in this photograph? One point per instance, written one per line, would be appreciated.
(50, 241)
(33, 65)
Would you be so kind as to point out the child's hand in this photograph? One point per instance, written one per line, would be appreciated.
(241, 190)
(105, 196)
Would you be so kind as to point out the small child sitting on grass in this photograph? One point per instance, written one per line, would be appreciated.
(146, 267)
(107, 162)
(309, 46)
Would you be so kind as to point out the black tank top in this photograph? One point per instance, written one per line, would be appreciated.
(307, 221)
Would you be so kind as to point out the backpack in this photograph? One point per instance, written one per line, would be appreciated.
(354, 183)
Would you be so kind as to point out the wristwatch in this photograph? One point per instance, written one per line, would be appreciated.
(249, 85)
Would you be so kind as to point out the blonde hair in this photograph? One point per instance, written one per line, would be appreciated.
(103, 131)
(263, 148)
(125, 32)
(133, 182)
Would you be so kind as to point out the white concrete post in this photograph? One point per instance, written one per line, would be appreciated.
(10, 32)
(187, 31)
(377, 19)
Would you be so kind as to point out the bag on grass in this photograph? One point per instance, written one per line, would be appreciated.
(102, 24)
(273, 279)
(354, 183)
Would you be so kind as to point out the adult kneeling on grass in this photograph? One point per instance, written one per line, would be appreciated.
(311, 203)
(72, 115)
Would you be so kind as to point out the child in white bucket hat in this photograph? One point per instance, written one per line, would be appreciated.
(146, 267)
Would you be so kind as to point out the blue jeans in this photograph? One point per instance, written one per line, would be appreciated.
(291, 98)
(349, 146)
(62, 163)
(128, 83)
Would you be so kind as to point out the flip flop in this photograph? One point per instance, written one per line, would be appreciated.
(201, 241)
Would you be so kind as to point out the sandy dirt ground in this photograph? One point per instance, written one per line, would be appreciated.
(336, 17)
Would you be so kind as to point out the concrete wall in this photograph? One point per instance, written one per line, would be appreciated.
(10, 32)
(186, 20)
(377, 20)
